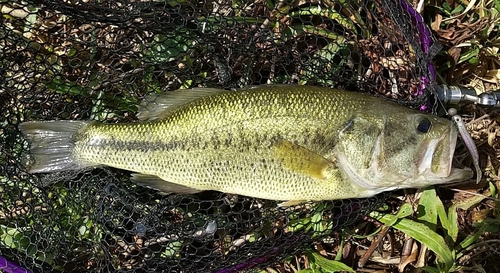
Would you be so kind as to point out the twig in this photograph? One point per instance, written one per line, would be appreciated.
(362, 262)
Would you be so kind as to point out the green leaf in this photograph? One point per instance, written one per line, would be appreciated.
(325, 12)
(473, 60)
(298, 224)
(441, 212)
(404, 211)
(170, 47)
(458, 10)
(448, 227)
(61, 86)
(320, 64)
(473, 238)
(427, 211)
(430, 269)
(328, 265)
(497, 5)
(469, 56)
(421, 233)
(453, 215)
(446, 8)
(172, 249)
(270, 4)
(493, 189)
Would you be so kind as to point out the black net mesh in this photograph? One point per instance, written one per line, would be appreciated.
(89, 59)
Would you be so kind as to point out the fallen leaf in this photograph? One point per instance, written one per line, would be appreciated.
(410, 259)
(455, 53)
(437, 22)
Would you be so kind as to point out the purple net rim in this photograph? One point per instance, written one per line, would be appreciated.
(426, 40)
(9, 266)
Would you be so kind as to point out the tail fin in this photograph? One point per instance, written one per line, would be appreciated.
(52, 144)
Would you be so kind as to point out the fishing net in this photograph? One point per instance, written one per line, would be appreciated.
(96, 60)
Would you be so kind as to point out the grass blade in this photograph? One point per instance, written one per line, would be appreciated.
(427, 210)
(326, 264)
(421, 233)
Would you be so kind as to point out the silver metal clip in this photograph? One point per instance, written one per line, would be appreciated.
(459, 95)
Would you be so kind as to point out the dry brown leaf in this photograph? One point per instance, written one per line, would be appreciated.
(437, 22)
(410, 259)
(492, 135)
(494, 74)
(447, 34)
(479, 216)
(455, 53)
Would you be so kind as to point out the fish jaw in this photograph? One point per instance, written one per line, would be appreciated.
(435, 164)
(436, 154)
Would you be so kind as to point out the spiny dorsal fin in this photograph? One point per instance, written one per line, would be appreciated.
(302, 160)
(155, 182)
(157, 106)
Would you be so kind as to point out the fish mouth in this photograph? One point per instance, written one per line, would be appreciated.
(437, 157)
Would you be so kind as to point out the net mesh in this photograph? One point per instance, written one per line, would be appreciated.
(96, 60)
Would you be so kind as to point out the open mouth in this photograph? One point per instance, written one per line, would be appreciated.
(443, 154)
(437, 158)
(436, 155)
(462, 151)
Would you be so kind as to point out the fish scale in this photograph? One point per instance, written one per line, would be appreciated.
(275, 142)
(199, 162)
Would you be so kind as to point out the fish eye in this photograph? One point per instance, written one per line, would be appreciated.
(424, 126)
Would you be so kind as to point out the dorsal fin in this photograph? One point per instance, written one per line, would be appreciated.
(156, 106)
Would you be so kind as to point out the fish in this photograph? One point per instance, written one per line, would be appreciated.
(278, 142)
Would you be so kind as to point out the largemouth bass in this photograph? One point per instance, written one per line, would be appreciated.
(278, 142)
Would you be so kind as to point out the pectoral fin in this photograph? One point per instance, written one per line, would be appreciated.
(154, 182)
(302, 160)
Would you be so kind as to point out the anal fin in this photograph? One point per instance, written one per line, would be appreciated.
(290, 203)
(155, 182)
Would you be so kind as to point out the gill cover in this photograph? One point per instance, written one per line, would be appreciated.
(386, 152)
